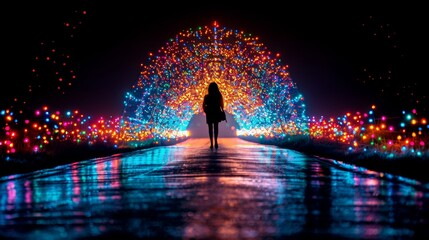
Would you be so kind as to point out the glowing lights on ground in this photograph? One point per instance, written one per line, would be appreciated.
(406, 136)
(26, 133)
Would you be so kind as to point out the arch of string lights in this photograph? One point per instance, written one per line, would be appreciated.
(257, 89)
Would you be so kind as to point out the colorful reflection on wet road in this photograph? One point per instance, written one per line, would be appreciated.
(242, 190)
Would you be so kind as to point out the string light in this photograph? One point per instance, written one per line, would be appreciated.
(257, 89)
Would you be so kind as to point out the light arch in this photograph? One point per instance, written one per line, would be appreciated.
(257, 89)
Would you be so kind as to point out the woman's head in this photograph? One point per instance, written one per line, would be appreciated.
(213, 88)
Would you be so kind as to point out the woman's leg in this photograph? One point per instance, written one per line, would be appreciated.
(216, 132)
(211, 134)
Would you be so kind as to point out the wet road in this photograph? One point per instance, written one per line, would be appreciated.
(242, 190)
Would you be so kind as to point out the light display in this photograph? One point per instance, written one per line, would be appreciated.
(257, 89)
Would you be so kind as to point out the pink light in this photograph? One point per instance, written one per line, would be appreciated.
(11, 194)
(28, 192)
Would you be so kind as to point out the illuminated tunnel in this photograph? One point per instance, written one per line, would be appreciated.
(257, 89)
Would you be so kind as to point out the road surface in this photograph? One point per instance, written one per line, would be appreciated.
(243, 190)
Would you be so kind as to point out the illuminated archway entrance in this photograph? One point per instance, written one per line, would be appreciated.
(257, 89)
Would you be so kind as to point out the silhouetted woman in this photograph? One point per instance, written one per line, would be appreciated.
(213, 107)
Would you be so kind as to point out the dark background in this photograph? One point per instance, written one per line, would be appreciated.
(342, 57)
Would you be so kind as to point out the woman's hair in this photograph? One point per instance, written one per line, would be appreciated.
(213, 89)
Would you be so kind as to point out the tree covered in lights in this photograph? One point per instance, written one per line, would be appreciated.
(257, 89)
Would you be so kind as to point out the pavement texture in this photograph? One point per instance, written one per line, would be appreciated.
(242, 190)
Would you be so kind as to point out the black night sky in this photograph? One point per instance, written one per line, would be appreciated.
(342, 58)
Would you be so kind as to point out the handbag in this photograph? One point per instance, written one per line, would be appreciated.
(223, 116)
